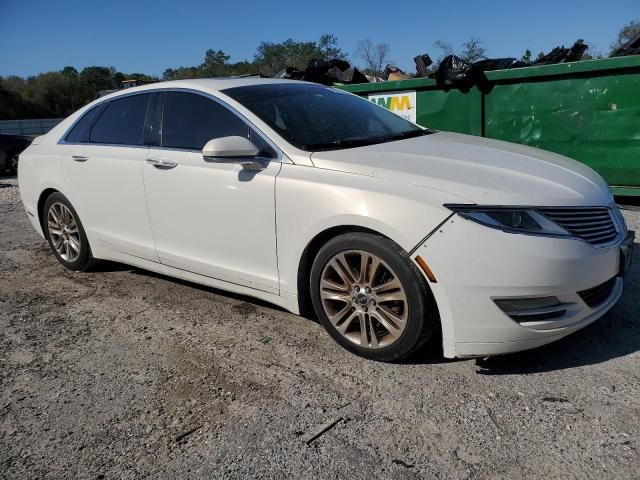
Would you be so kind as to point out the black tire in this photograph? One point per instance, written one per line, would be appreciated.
(12, 164)
(85, 260)
(423, 319)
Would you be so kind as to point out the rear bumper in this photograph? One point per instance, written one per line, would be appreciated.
(35, 223)
(474, 265)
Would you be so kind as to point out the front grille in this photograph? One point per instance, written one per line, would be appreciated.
(598, 294)
(594, 225)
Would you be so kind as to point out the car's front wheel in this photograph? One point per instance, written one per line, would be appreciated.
(66, 236)
(371, 298)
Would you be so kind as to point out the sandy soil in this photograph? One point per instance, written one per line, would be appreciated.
(120, 373)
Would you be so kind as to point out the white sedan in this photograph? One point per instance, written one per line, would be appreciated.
(324, 203)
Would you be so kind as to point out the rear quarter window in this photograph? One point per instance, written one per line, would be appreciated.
(79, 133)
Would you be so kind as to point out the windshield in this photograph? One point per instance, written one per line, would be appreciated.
(314, 117)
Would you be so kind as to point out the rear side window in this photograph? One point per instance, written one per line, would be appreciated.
(81, 130)
(121, 122)
(190, 121)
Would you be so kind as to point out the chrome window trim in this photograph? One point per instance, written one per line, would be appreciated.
(280, 155)
(121, 145)
(62, 140)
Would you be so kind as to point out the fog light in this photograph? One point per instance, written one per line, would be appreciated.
(532, 309)
(508, 305)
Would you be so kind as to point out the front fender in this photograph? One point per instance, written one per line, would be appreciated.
(310, 200)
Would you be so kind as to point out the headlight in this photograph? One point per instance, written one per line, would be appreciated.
(514, 220)
(619, 218)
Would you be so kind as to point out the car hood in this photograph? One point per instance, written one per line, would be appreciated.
(477, 169)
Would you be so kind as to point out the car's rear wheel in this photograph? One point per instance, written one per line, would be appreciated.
(371, 298)
(65, 233)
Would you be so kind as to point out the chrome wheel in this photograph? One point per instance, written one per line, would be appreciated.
(363, 299)
(64, 232)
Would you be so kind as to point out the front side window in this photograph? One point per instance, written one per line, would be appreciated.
(121, 122)
(314, 117)
(190, 121)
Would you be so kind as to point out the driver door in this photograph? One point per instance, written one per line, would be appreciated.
(214, 219)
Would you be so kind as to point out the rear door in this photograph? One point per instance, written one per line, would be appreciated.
(211, 218)
(102, 170)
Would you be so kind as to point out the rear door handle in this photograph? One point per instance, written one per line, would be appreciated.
(162, 164)
(80, 158)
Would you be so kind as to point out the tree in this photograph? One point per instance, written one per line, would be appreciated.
(59, 93)
(214, 63)
(526, 58)
(472, 50)
(70, 72)
(12, 104)
(446, 48)
(592, 53)
(625, 34)
(94, 79)
(70, 75)
(273, 57)
(181, 73)
(328, 48)
(375, 56)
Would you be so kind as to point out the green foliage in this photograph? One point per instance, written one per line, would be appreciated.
(269, 59)
(58, 94)
(526, 57)
(273, 57)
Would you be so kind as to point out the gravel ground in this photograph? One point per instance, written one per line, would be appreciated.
(120, 373)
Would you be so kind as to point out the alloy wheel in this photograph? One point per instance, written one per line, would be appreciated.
(363, 299)
(64, 232)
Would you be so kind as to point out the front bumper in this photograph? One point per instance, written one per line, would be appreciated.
(474, 264)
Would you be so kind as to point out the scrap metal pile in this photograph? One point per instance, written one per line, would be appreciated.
(451, 71)
(326, 73)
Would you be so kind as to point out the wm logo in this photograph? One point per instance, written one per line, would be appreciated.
(394, 103)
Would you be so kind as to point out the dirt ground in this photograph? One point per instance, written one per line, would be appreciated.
(120, 373)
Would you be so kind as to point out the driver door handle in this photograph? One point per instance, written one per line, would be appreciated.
(162, 164)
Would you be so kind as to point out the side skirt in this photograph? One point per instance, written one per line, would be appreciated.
(287, 301)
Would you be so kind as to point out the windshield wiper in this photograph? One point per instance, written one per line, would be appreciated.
(363, 141)
(343, 143)
(417, 133)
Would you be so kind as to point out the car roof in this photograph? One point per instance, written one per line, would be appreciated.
(206, 84)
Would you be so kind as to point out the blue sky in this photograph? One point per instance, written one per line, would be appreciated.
(150, 36)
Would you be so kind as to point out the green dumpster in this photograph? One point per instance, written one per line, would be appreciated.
(589, 111)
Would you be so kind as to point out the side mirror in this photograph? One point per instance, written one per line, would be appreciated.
(233, 149)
